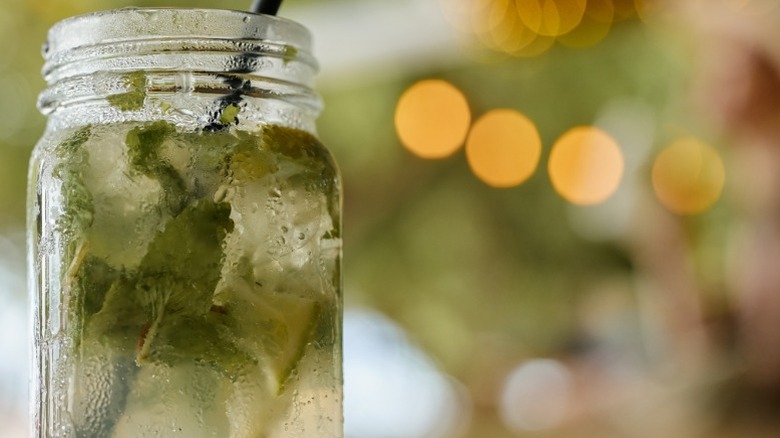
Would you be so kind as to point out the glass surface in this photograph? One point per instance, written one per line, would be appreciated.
(184, 234)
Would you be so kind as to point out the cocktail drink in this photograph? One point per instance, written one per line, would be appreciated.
(184, 232)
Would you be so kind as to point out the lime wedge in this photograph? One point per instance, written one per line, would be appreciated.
(273, 327)
(298, 316)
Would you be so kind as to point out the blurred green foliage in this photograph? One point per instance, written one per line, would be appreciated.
(444, 253)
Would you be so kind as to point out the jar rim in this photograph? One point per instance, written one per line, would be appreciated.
(178, 50)
(132, 24)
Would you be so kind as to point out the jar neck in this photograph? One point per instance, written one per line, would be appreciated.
(189, 99)
(200, 68)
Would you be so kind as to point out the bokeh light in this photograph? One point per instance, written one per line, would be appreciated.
(511, 34)
(432, 119)
(594, 27)
(539, 45)
(586, 165)
(536, 395)
(530, 13)
(528, 28)
(688, 176)
(624, 9)
(499, 25)
(560, 17)
(632, 124)
(503, 148)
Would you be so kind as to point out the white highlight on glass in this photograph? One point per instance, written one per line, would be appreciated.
(391, 388)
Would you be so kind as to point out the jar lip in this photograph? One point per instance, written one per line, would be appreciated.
(137, 24)
(181, 50)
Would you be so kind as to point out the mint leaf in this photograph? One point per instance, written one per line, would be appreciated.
(88, 289)
(208, 167)
(229, 114)
(120, 319)
(134, 98)
(249, 162)
(144, 145)
(207, 338)
(172, 288)
(78, 210)
(165, 310)
(77, 216)
(319, 174)
(183, 263)
(290, 53)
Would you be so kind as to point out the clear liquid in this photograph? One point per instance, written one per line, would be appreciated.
(194, 293)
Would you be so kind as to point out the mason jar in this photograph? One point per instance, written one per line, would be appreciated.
(184, 231)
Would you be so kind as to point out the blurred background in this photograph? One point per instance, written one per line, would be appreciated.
(562, 217)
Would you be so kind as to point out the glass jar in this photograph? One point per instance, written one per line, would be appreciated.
(184, 231)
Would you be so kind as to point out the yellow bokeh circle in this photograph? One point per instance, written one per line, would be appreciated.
(586, 165)
(503, 148)
(688, 176)
(432, 118)
(594, 27)
(560, 17)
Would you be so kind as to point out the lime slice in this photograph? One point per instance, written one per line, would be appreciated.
(273, 327)
(298, 318)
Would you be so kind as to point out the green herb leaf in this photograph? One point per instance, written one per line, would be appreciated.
(77, 200)
(249, 161)
(173, 286)
(290, 53)
(76, 218)
(319, 173)
(207, 338)
(144, 145)
(229, 114)
(179, 274)
(134, 98)
(166, 310)
(89, 286)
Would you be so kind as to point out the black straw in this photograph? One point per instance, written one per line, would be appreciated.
(244, 64)
(268, 7)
